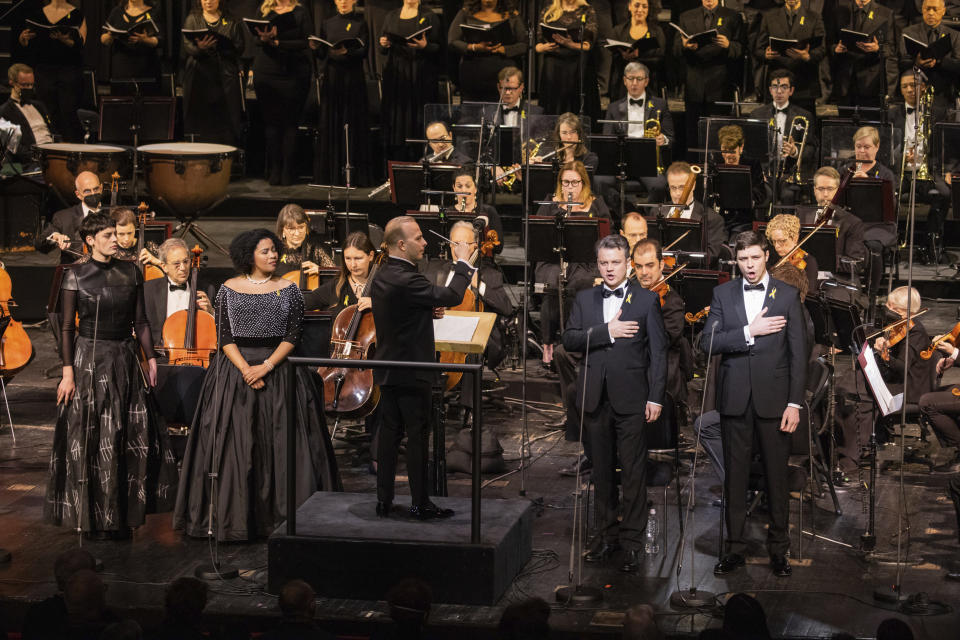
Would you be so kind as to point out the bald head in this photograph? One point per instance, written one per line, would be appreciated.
(633, 228)
(88, 185)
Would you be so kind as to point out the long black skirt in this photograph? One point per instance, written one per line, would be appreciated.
(249, 427)
(124, 467)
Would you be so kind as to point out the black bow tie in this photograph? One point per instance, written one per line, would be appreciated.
(178, 287)
(753, 287)
(910, 110)
(509, 109)
(636, 103)
(616, 292)
(779, 111)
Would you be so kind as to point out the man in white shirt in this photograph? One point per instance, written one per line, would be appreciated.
(756, 323)
(165, 296)
(714, 228)
(24, 110)
(618, 328)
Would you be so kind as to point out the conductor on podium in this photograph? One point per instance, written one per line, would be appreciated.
(618, 328)
(756, 323)
(404, 304)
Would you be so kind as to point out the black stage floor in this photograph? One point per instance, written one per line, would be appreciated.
(830, 591)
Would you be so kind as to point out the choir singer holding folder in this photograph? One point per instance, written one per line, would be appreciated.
(791, 37)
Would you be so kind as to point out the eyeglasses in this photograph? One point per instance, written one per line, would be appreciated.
(505, 88)
(571, 183)
(779, 87)
(728, 152)
(178, 264)
(824, 189)
(635, 78)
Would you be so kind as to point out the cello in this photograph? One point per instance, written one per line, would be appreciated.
(351, 392)
(190, 335)
(16, 350)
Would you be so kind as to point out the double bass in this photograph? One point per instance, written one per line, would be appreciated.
(351, 392)
(16, 350)
(190, 335)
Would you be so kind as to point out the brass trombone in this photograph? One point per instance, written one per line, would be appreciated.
(790, 166)
(921, 142)
(652, 129)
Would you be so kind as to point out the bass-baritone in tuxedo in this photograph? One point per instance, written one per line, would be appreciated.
(618, 328)
(756, 324)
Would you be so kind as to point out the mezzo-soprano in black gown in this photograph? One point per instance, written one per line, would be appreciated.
(250, 426)
(125, 458)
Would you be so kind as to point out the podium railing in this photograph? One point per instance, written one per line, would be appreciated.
(476, 369)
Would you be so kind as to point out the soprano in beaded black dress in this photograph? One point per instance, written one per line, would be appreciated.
(250, 425)
(130, 468)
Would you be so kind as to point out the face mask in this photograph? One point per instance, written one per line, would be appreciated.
(92, 200)
(27, 94)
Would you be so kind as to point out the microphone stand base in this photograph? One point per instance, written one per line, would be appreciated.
(216, 572)
(579, 595)
(692, 598)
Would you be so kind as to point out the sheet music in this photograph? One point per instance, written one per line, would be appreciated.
(455, 328)
(886, 402)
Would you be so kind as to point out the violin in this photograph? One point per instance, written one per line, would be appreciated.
(351, 392)
(661, 288)
(150, 272)
(949, 338)
(190, 335)
(694, 318)
(16, 350)
(895, 332)
(798, 259)
(491, 240)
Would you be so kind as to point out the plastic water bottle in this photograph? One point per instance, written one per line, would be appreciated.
(651, 544)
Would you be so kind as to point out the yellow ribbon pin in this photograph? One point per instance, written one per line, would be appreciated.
(719, 21)
(629, 295)
(421, 20)
(773, 293)
(801, 21)
(349, 24)
(870, 16)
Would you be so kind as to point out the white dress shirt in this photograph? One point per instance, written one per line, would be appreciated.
(635, 114)
(687, 212)
(780, 119)
(511, 118)
(177, 300)
(41, 132)
(612, 304)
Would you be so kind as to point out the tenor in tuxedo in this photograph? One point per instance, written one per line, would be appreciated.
(403, 301)
(618, 328)
(756, 323)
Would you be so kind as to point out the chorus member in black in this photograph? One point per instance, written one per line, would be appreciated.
(403, 310)
(57, 55)
(568, 135)
(712, 69)
(243, 406)
(212, 92)
(410, 73)
(63, 230)
(24, 110)
(647, 261)
(480, 62)
(573, 185)
(941, 71)
(714, 229)
(783, 232)
(343, 99)
(348, 288)
(793, 21)
(485, 215)
(618, 328)
(281, 78)
(111, 463)
(135, 56)
(299, 249)
(862, 75)
(165, 296)
(641, 24)
(564, 59)
(756, 324)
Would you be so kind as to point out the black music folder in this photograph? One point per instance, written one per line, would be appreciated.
(642, 45)
(493, 33)
(50, 29)
(780, 45)
(194, 35)
(702, 38)
(350, 44)
(549, 30)
(936, 50)
(282, 21)
(850, 38)
(144, 27)
(402, 39)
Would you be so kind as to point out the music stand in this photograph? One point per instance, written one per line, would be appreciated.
(698, 285)
(625, 158)
(734, 187)
(431, 221)
(407, 181)
(870, 199)
(543, 179)
(346, 223)
(669, 230)
(315, 338)
(135, 120)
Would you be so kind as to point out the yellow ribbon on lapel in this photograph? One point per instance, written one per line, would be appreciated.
(773, 293)
(629, 295)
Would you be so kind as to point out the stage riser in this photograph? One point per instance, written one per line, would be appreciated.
(344, 551)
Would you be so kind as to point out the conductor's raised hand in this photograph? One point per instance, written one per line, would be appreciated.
(763, 325)
(790, 420)
(622, 328)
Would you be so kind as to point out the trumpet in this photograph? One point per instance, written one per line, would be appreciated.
(652, 129)
(790, 166)
(531, 147)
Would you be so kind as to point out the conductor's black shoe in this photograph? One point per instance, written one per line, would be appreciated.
(632, 560)
(429, 511)
(582, 464)
(780, 566)
(728, 563)
(383, 509)
(602, 551)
